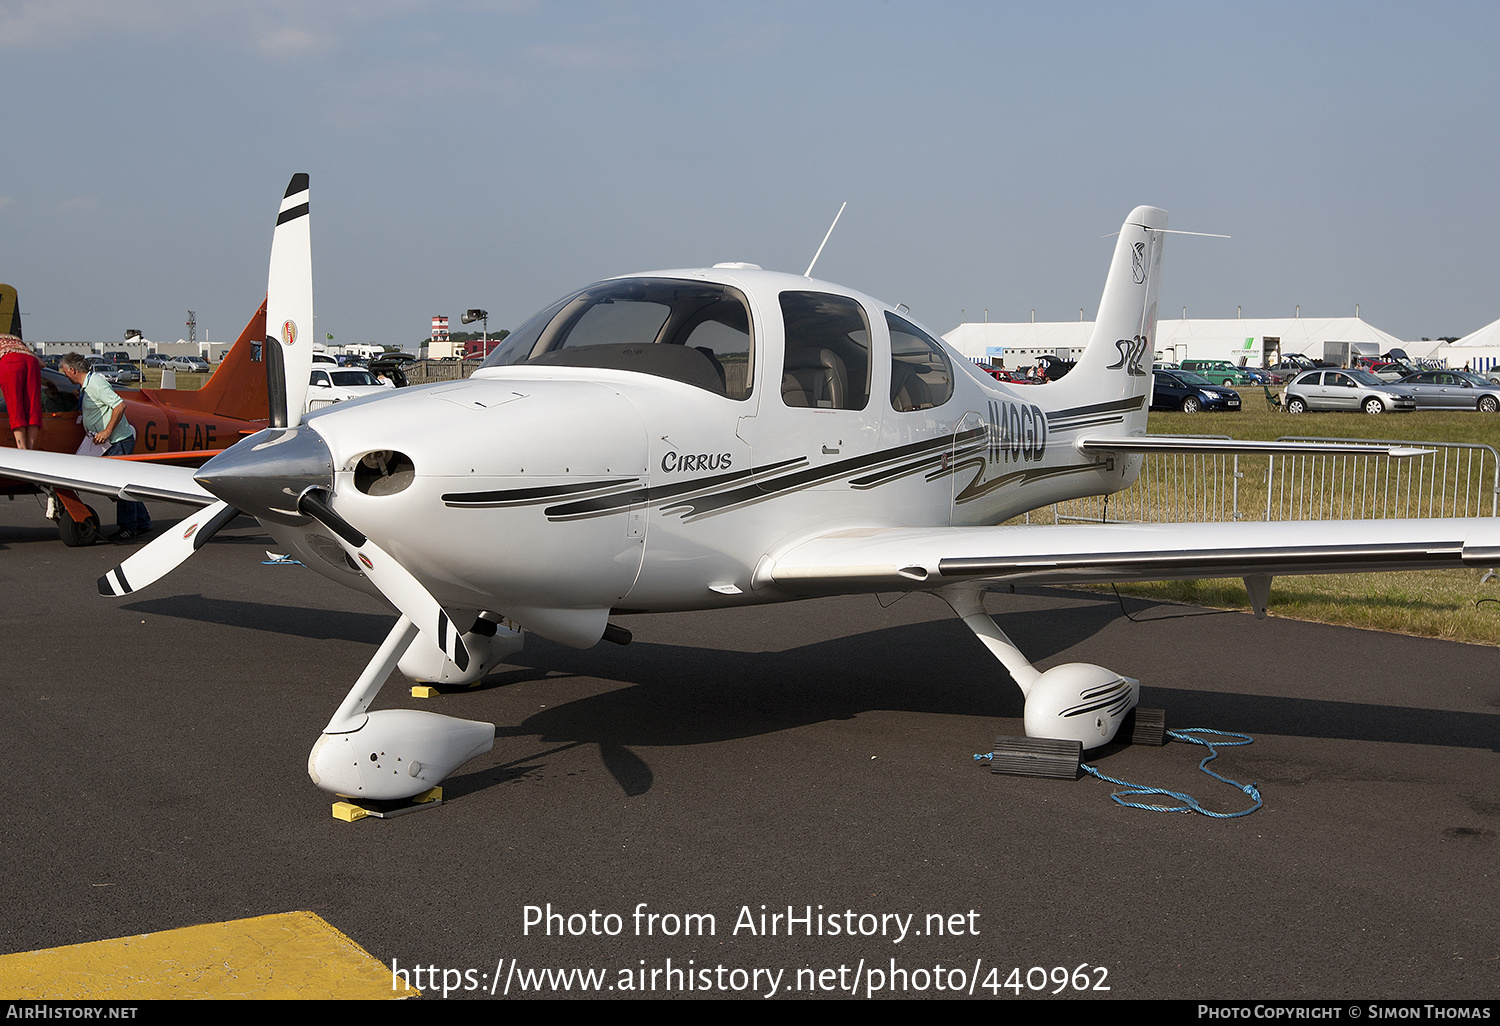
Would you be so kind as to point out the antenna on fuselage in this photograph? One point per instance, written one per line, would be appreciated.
(808, 273)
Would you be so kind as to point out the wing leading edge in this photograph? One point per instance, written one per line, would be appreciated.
(892, 559)
(131, 480)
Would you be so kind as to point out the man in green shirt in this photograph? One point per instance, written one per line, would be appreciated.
(104, 420)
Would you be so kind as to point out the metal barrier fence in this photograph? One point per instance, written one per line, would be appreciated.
(1451, 480)
(426, 372)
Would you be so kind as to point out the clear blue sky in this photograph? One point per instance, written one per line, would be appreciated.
(499, 154)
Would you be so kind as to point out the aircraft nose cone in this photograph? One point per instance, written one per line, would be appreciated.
(264, 474)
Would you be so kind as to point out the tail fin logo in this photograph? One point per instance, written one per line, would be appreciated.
(289, 333)
(1131, 352)
(1138, 263)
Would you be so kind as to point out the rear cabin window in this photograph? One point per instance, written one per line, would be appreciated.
(827, 363)
(921, 374)
(697, 333)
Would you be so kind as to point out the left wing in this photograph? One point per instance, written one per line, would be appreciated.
(902, 559)
(127, 479)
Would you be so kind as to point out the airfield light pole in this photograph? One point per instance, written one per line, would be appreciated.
(469, 317)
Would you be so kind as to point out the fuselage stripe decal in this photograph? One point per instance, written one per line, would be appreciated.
(1113, 406)
(522, 496)
(978, 490)
(704, 503)
(1083, 422)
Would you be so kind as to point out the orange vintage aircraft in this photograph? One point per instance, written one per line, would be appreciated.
(170, 423)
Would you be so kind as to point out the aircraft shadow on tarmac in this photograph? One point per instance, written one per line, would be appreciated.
(13, 536)
(296, 621)
(678, 695)
(684, 696)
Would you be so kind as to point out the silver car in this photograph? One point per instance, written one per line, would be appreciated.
(117, 373)
(1345, 390)
(1452, 390)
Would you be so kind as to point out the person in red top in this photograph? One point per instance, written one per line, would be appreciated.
(21, 384)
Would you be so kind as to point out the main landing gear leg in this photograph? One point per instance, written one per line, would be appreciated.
(392, 754)
(1069, 708)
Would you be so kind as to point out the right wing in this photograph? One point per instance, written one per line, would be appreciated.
(128, 480)
(913, 559)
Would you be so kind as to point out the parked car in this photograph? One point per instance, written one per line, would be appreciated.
(331, 385)
(1050, 368)
(1183, 390)
(154, 360)
(116, 373)
(1218, 372)
(389, 370)
(1452, 390)
(192, 364)
(1386, 370)
(1345, 390)
(1292, 364)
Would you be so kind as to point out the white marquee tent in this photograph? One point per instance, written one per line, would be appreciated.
(1176, 339)
(1478, 350)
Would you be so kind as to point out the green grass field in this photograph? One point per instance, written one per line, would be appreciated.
(151, 378)
(1449, 604)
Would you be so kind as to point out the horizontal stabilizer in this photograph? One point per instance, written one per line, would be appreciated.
(1232, 446)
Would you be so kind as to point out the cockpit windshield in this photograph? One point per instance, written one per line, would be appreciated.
(694, 332)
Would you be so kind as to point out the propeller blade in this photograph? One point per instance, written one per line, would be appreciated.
(164, 554)
(289, 306)
(394, 581)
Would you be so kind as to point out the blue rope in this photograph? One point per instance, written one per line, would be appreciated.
(1189, 804)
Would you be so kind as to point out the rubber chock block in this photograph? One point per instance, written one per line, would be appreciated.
(1144, 727)
(348, 812)
(353, 812)
(1037, 757)
(434, 690)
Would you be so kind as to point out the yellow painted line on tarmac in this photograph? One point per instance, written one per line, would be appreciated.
(293, 955)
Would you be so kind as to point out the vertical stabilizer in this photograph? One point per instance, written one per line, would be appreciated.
(1115, 368)
(289, 304)
(237, 388)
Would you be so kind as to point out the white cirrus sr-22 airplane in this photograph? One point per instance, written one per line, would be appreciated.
(703, 438)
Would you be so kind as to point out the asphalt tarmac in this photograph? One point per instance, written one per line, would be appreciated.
(816, 755)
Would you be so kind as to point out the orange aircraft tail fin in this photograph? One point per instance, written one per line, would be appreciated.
(237, 388)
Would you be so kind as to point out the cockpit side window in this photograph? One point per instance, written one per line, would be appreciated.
(921, 373)
(695, 332)
(827, 362)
